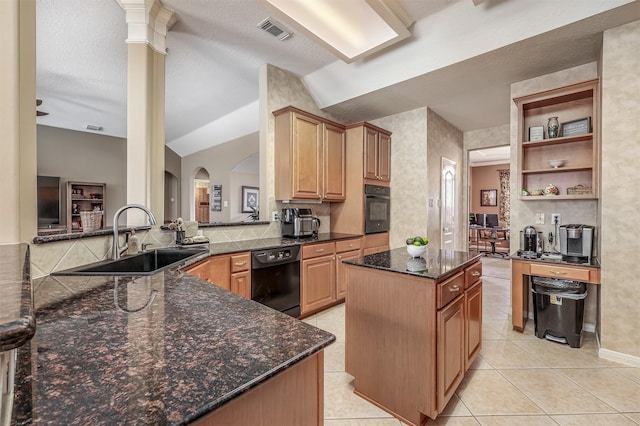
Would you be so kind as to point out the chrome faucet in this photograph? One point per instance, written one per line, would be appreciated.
(116, 247)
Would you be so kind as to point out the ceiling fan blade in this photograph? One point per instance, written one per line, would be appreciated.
(41, 113)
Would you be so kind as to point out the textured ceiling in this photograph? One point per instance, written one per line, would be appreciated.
(215, 52)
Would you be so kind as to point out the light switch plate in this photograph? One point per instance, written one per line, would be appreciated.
(539, 218)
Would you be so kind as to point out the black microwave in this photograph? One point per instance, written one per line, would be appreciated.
(377, 208)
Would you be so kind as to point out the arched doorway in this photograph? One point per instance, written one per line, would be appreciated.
(201, 191)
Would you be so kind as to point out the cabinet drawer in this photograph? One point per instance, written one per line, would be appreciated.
(240, 262)
(375, 240)
(450, 289)
(564, 272)
(348, 245)
(310, 251)
(472, 274)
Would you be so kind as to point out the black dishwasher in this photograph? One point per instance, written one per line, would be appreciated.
(275, 279)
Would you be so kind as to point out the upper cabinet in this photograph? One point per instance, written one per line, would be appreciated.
(309, 157)
(576, 144)
(377, 154)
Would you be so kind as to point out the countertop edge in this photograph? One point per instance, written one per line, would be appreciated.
(16, 333)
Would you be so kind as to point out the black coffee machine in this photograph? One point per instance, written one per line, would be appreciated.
(531, 243)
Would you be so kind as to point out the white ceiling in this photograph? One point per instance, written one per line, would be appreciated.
(459, 61)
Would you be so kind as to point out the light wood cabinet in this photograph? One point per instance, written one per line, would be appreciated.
(368, 157)
(579, 150)
(231, 272)
(377, 154)
(375, 243)
(451, 355)
(83, 197)
(309, 157)
(318, 280)
(407, 338)
(345, 250)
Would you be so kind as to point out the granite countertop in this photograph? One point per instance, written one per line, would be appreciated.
(593, 262)
(101, 357)
(434, 264)
(17, 321)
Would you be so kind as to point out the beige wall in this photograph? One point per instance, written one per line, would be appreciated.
(620, 201)
(85, 157)
(444, 140)
(409, 184)
(219, 161)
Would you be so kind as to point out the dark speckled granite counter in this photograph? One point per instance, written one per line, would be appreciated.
(17, 321)
(98, 358)
(434, 264)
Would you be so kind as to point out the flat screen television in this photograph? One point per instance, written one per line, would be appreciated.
(48, 201)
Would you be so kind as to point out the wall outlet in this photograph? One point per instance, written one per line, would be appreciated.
(274, 216)
(539, 218)
(555, 218)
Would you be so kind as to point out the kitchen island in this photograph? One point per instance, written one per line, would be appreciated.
(165, 349)
(413, 328)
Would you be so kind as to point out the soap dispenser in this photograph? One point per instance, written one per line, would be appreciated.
(133, 243)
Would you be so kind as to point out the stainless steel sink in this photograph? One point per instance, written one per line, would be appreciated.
(146, 263)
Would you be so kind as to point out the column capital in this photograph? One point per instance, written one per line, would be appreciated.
(148, 22)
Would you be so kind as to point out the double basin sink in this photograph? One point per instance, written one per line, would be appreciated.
(145, 263)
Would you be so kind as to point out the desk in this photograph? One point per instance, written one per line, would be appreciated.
(543, 268)
(486, 235)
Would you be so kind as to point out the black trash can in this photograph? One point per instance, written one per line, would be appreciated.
(559, 309)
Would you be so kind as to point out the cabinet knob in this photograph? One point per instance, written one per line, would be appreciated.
(558, 273)
(240, 263)
(240, 280)
(319, 250)
(475, 273)
(454, 288)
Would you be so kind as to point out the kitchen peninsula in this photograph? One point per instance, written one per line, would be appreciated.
(167, 348)
(413, 328)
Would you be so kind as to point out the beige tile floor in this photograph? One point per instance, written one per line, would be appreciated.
(517, 379)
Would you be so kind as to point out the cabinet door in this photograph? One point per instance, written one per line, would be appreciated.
(220, 271)
(450, 351)
(306, 157)
(335, 174)
(241, 283)
(199, 270)
(341, 273)
(370, 153)
(318, 283)
(473, 323)
(384, 157)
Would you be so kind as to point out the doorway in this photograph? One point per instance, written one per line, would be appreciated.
(201, 192)
(489, 200)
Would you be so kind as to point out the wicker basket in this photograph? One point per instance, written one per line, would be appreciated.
(579, 190)
(90, 220)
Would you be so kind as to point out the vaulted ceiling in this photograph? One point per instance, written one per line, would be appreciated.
(459, 61)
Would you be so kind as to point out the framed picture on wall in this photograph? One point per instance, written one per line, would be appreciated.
(488, 197)
(250, 199)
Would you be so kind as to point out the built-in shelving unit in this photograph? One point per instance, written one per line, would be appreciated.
(579, 152)
(84, 196)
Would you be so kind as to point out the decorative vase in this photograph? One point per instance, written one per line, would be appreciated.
(179, 237)
(553, 127)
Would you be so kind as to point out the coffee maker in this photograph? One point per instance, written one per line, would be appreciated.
(576, 242)
(299, 223)
(531, 243)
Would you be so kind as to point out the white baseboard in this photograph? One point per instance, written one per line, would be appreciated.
(610, 355)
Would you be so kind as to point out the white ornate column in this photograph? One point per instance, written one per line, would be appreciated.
(18, 159)
(148, 22)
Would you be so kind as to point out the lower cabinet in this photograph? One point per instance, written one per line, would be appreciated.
(473, 312)
(231, 272)
(318, 277)
(323, 280)
(375, 243)
(451, 354)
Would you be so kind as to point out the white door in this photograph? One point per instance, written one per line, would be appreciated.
(447, 204)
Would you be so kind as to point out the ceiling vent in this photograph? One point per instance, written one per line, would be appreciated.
(274, 28)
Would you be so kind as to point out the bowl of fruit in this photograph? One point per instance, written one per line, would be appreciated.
(417, 246)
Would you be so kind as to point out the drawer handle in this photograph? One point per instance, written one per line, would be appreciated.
(475, 273)
(454, 288)
(240, 263)
(319, 250)
(558, 273)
